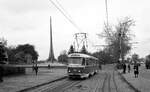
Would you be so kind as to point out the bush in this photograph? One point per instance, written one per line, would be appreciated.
(13, 70)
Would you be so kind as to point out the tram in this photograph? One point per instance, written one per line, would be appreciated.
(82, 65)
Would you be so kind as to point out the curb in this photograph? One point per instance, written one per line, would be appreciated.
(42, 84)
(130, 85)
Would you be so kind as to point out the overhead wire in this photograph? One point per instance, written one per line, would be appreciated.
(63, 13)
(106, 11)
(107, 21)
(68, 17)
(63, 9)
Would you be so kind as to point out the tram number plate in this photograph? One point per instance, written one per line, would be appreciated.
(74, 70)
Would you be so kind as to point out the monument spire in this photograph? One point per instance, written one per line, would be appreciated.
(51, 57)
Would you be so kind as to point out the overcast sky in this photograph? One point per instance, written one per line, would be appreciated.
(27, 21)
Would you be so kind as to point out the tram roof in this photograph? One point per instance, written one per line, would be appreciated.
(81, 55)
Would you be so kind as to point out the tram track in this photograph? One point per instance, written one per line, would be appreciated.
(104, 82)
(99, 83)
(64, 86)
(107, 82)
(60, 85)
(109, 79)
(50, 87)
(42, 85)
(115, 84)
(71, 86)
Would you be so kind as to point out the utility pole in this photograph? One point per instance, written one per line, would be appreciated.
(106, 11)
(121, 35)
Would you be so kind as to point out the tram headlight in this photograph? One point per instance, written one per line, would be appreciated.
(69, 71)
(79, 71)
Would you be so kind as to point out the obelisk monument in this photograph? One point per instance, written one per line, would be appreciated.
(51, 57)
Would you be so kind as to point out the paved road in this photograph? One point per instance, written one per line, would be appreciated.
(107, 80)
(16, 83)
(142, 83)
(145, 73)
(114, 81)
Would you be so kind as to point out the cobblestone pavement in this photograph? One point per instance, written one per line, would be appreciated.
(16, 83)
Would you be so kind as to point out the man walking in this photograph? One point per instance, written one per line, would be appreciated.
(124, 68)
(136, 70)
(1, 74)
(129, 68)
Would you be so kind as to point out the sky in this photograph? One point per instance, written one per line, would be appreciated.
(28, 21)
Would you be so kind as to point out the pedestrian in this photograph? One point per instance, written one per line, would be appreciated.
(129, 68)
(136, 70)
(49, 66)
(33, 68)
(100, 67)
(36, 69)
(1, 74)
(124, 68)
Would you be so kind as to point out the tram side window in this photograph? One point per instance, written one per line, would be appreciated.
(87, 62)
(94, 62)
(83, 61)
(91, 62)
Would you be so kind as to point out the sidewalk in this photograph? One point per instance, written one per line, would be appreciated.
(140, 84)
(16, 83)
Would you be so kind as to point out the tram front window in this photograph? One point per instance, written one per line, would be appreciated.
(75, 61)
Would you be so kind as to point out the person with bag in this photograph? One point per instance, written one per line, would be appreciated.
(136, 70)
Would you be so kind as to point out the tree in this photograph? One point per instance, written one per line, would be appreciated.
(11, 51)
(71, 50)
(19, 54)
(4, 41)
(135, 58)
(3, 54)
(28, 49)
(20, 57)
(103, 57)
(63, 57)
(118, 38)
(83, 50)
